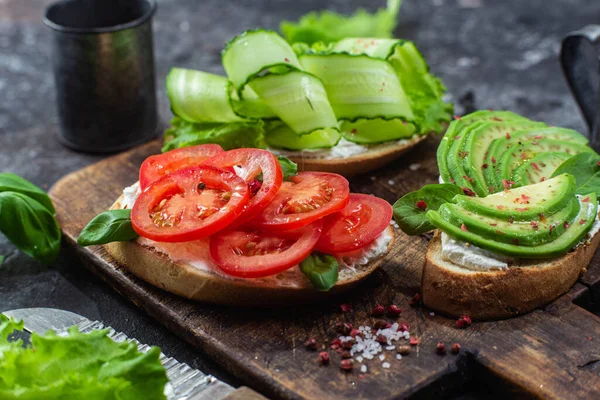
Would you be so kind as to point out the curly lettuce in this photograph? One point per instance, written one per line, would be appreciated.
(328, 26)
(228, 135)
(77, 366)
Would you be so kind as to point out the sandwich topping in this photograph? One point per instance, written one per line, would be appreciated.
(233, 214)
(339, 98)
(511, 189)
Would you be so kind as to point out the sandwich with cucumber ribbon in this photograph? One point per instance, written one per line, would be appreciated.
(347, 106)
(515, 213)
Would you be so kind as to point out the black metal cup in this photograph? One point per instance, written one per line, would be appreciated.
(580, 61)
(103, 65)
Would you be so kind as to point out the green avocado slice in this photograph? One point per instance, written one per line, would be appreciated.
(572, 235)
(525, 233)
(500, 145)
(539, 168)
(524, 203)
(475, 144)
(521, 152)
(455, 128)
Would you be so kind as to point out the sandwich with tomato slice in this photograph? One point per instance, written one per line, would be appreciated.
(242, 227)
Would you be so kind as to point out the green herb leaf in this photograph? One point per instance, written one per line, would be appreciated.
(77, 366)
(328, 26)
(321, 270)
(410, 210)
(227, 135)
(2, 259)
(584, 167)
(14, 183)
(109, 226)
(424, 90)
(30, 226)
(288, 167)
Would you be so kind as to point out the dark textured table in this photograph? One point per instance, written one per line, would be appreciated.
(490, 54)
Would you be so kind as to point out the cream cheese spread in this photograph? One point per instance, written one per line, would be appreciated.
(343, 149)
(196, 253)
(472, 257)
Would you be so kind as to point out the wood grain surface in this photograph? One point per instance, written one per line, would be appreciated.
(549, 353)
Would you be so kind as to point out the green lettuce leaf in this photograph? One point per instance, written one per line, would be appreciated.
(228, 135)
(328, 26)
(78, 366)
(425, 91)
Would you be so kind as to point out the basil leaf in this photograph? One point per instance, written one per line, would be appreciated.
(411, 218)
(1, 259)
(288, 167)
(321, 270)
(30, 226)
(14, 183)
(584, 167)
(109, 226)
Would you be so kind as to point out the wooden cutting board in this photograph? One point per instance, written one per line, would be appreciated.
(549, 353)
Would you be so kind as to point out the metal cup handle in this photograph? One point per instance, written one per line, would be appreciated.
(580, 62)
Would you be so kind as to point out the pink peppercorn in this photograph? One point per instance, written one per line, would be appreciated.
(346, 364)
(440, 348)
(394, 311)
(323, 357)
(378, 310)
(463, 322)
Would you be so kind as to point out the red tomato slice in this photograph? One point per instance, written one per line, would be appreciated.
(312, 196)
(155, 167)
(255, 255)
(357, 225)
(249, 163)
(189, 204)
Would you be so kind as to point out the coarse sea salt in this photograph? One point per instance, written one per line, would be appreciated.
(385, 365)
(363, 368)
(366, 347)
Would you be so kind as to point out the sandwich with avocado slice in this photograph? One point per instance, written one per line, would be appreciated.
(516, 216)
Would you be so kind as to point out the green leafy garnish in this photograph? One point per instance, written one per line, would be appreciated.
(30, 226)
(586, 170)
(109, 226)
(77, 366)
(227, 135)
(328, 26)
(2, 259)
(288, 167)
(425, 91)
(321, 270)
(14, 183)
(411, 209)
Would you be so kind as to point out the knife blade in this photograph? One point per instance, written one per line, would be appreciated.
(185, 382)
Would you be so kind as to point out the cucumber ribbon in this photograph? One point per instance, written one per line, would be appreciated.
(365, 90)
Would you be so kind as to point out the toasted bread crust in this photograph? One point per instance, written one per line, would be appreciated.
(357, 164)
(456, 291)
(187, 281)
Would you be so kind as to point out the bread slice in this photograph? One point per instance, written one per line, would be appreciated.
(183, 279)
(455, 291)
(376, 157)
